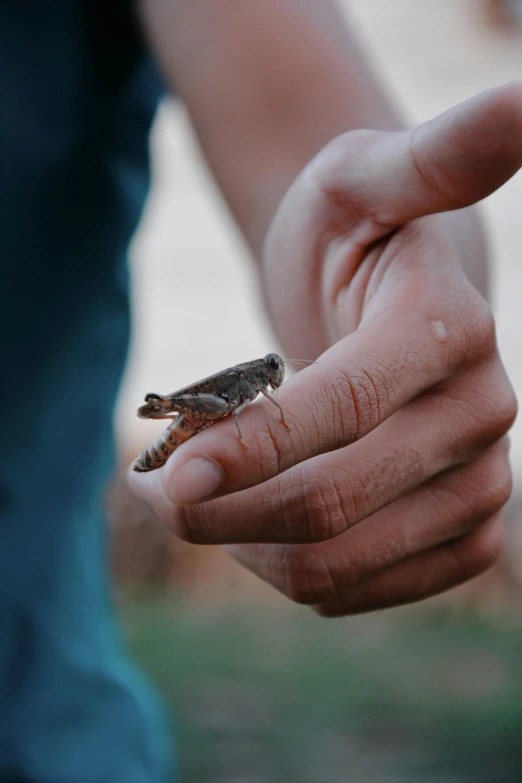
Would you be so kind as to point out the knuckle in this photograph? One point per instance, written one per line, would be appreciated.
(308, 579)
(333, 176)
(190, 526)
(475, 492)
(500, 415)
(179, 525)
(484, 406)
(500, 485)
(507, 409)
(328, 169)
(333, 499)
(488, 417)
(357, 398)
(478, 327)
(488, 488)
(483, 549)
(432, 174)
(271, 454)
(469, 324)
(324, 508)
(301, 590)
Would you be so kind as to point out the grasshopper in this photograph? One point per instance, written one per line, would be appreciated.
(196, 407)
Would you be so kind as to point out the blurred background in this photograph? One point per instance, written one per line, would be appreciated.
(261, 690)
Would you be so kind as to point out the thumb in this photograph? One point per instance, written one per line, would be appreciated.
(449, 162)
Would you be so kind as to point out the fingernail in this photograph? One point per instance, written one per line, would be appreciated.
(195, 481)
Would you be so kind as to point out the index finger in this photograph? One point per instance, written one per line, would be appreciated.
(357, 384)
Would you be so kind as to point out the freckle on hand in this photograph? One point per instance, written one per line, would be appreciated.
(439, 330)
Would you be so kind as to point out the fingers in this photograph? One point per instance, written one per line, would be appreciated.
(449, 162)
(322, 497)
(387, 551)
(425, 575)
(356, 385)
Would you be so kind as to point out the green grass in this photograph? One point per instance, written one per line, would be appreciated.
(263, 696)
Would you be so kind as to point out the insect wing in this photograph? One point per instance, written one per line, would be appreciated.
(218, 383)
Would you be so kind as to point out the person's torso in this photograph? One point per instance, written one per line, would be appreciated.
(78, 95)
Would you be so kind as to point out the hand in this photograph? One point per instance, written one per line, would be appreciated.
(388, 487)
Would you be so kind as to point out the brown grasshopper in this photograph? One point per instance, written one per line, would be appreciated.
(197, 407)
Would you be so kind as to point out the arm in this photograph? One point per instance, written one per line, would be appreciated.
(387, 488)
(267, 84)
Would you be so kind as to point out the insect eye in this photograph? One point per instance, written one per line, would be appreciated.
(274, 362)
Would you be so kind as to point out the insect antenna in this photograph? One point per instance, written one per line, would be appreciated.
(299, 361)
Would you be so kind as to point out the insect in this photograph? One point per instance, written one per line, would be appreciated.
(197, 407)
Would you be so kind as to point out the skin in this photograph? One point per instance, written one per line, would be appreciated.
(388, 486)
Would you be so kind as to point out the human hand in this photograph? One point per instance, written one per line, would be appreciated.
(388, 487)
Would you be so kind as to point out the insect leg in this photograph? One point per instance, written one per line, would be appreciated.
(278, 404)
(149, 411)
(235, 414)
(202, 406)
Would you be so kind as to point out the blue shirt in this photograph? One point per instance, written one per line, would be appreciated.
(77, 97)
